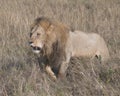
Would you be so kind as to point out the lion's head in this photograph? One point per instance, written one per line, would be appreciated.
(45, 32)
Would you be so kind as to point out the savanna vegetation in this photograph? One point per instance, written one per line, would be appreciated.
(20, 73)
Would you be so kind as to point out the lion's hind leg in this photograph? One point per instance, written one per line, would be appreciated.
(51, 73)
(98, 56)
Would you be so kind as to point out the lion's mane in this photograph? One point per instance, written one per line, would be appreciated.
(57, 35)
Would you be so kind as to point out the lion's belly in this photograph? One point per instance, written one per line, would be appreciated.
(83, 53)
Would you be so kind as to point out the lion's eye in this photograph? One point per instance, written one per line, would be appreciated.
(38, 34)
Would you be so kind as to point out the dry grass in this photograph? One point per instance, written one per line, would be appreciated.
(20, 74)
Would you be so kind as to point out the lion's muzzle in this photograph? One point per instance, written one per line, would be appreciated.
(36, 49)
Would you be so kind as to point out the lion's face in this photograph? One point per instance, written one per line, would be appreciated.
(37, 38)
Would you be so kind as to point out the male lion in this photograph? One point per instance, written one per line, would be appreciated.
(57, 44)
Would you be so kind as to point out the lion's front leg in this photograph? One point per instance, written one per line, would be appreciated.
(64, 65)
(50, 72)
(62, 70)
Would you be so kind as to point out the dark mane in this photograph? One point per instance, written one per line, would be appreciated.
(54, 48)
(57, 36)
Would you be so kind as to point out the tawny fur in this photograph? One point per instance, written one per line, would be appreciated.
(60, 44)
(88, 45)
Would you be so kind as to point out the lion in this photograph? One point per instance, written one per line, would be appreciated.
(57, 44)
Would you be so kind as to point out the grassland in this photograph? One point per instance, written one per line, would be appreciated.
(20, 74)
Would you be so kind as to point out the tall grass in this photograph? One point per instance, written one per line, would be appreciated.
(20, 74)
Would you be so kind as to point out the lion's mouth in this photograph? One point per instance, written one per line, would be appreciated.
(36, 49)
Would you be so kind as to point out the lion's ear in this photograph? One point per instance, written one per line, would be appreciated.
(50, 29)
